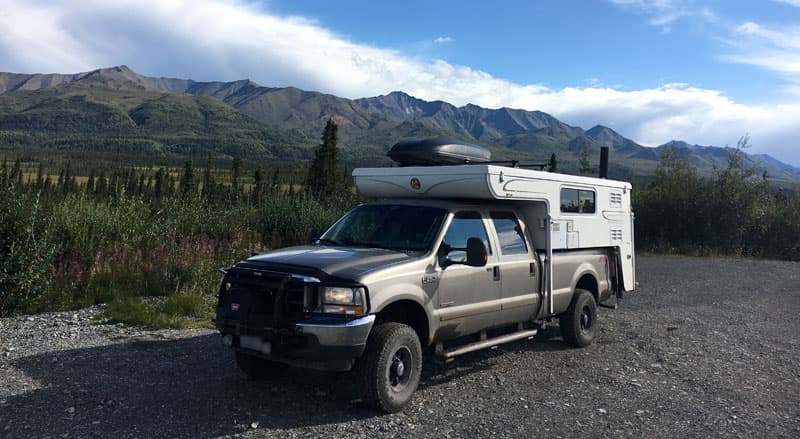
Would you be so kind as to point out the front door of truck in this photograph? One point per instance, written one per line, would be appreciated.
(468, 294)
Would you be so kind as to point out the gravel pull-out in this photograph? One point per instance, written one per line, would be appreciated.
(705, 348)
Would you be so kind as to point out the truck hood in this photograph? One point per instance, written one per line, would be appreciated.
(342, 262)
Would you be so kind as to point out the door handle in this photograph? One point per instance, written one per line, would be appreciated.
(496, 272)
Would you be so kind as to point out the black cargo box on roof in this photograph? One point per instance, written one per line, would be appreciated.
(441, 151)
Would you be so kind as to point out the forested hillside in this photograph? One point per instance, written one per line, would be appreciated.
(117, 110)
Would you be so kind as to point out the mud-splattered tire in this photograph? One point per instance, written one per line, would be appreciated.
(579, 322)
(391, 367)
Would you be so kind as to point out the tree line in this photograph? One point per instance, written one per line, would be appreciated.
(736, 211)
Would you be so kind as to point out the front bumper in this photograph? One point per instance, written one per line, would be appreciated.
(319, 345)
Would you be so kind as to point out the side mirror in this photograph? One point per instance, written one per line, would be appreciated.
(477, 256)
(313, 236)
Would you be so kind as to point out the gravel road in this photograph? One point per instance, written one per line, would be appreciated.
(705, 348)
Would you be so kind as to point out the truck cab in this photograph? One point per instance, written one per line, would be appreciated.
(444, 262)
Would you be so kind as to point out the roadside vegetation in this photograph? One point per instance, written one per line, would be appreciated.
(148, 242)
(735, 212)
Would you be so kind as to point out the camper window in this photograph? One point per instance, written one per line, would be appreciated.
(577, 201)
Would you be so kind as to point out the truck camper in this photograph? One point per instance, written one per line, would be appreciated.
(457, 253)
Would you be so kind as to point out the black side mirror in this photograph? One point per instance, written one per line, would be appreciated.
(313, 235)
(477, 256)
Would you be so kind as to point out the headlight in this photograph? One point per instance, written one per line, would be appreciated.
(342, 300)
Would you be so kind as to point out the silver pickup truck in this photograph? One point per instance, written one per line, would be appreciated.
(393, 279)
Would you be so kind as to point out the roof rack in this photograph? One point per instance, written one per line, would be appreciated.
(514, 164)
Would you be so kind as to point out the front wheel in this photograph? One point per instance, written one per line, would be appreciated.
(391, 367)
(579, 322)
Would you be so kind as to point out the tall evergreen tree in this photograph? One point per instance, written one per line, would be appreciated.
(187, 180)
(258, 186)
(140, 186)
(208, 179)
(159, 185)
(16, 170)
(583, 163)
(236, 170)
(553, 165)
(130, 182)
(90, 183)
(101, 185)
(276, 178)
(322, 180)
(39, 176)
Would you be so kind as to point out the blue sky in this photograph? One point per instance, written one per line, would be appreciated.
(628, 45)
(654, 70)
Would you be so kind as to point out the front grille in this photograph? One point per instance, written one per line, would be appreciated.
(273, 295)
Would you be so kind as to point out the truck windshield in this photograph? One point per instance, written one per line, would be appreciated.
(389, 226)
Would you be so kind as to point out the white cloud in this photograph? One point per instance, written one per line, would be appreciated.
(229, 39)
(774, 48)
(795, 3)
(662, 13)
(441, 40)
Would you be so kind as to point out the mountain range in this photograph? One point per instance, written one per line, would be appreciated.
(119, 111)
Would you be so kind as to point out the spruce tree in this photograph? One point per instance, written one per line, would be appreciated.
(39, 176)
(187, 180)
(235, 171)
(159, 185)
(208, 179)
(16, 170)
(276, 176)
(90, 183)
(130, 183)
(258, 186)
(140, 187)
(553, 165)
(583, 163)
(322, 180)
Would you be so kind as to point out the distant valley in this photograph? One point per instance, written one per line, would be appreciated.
(117, 111)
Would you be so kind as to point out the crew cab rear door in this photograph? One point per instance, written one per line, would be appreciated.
(517, 267)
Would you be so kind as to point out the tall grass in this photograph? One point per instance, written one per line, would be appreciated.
(151, 263)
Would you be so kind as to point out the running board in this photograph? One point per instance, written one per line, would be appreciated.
(484, 343)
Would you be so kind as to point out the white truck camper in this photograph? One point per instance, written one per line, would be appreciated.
(564, 212)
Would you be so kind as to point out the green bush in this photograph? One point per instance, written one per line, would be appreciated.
(27, 249)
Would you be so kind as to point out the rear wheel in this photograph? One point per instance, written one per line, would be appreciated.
(579, 322)
(258, 368)
(391, 367)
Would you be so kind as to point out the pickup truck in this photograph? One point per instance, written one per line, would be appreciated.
(395, 278)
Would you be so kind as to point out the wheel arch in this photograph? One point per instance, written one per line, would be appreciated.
(408, 312)
(587, 280)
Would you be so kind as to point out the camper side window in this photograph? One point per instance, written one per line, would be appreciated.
(577, 201)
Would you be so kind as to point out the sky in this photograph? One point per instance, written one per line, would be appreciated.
(706, 72)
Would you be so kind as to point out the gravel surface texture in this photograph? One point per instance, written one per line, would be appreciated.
(705, 348)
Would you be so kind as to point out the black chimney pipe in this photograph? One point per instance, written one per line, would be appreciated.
(603, 162)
